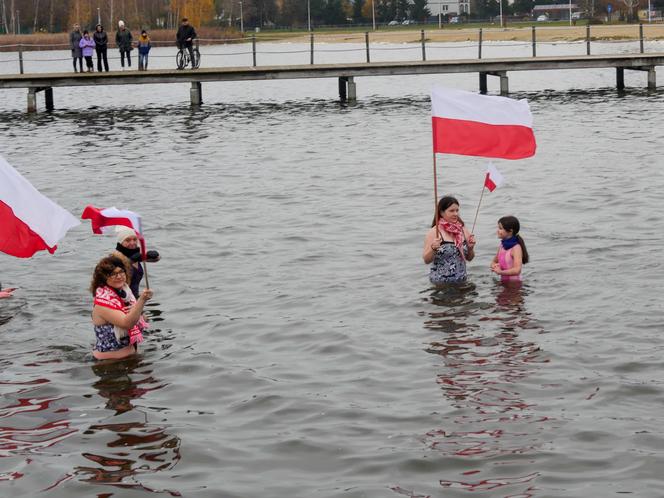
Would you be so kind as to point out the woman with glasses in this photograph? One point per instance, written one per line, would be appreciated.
(116, 313)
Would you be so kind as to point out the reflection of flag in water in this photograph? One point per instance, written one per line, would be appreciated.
(469, 124)
(103, 220)
(29, 221)
(493, 178)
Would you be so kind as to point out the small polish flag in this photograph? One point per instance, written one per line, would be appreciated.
(493, 178)
(469, 124)
(29, 221)
(104, 220)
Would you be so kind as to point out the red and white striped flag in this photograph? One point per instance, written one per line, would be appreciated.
(470, 124)
(29, 221)
(493, 178)
(103, 220)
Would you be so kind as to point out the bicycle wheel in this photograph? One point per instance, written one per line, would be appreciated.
(195, 64)
(180, 59)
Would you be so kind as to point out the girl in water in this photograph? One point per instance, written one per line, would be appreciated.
(448, 245)
(512, 253)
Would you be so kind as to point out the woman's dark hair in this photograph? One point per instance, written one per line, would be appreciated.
(104, 269)
(85, 32)
(443, 204)
(511, 224)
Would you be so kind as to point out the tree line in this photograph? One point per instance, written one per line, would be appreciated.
(51, 16)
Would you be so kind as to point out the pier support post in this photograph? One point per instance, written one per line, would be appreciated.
(620, 78)
(483, 85)
(504, 83)
(48, 96)
(343, 96)
(347, 89)
(479, 44)
(652, 79)
(196, 93)
(352, 90)
(32, 100)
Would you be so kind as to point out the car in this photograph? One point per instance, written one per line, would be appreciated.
(455, 20)
(407, 22)
(542, 18)
(576, 15)
(393, 23)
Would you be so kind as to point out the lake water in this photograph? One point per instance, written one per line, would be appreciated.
(297, 348)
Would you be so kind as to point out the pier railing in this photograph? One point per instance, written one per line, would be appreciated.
(371, 46)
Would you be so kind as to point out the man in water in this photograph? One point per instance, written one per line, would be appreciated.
(185, 38)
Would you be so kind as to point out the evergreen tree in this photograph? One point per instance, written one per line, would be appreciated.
(357, 11)
(419, 10)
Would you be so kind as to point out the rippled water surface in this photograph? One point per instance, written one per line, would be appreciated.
(296, 348)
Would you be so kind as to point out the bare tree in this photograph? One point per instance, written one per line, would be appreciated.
(630, 4)
(36, 16)
(4, 16)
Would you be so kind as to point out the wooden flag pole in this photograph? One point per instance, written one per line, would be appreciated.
(145, 271)
(479, 203)
(435, 194)
(144, 251)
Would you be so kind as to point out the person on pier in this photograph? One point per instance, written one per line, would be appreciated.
(101, 45)
(185, 38)
(123, 40)
(448, 244)
(87, 46)
(75, 44)
(144, 46)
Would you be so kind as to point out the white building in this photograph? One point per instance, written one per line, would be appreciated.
(449, 7)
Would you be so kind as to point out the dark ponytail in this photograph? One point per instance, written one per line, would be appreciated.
(511, 224)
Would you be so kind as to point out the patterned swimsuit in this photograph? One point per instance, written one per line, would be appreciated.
(448, 265)
(106, 340)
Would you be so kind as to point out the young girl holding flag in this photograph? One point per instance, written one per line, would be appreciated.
(512, 253)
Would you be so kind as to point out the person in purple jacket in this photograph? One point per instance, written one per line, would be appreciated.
(87, 44)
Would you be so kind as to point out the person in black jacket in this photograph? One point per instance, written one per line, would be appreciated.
(185, 38)
(123, 41)
(101, 44)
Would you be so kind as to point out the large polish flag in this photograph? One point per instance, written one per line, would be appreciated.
(470, 124)
(104, 220)
(29, 221)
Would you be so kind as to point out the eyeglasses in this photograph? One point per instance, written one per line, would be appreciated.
(117, 274)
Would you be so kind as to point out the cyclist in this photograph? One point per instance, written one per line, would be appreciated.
(185, 38)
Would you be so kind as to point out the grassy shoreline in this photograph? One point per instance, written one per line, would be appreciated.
(549, 32)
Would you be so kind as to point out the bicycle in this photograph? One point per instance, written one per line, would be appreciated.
(182, 59)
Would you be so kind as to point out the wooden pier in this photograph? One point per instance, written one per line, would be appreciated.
(346, 73)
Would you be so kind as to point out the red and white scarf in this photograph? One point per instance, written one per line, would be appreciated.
(108, 297)
(456, 231)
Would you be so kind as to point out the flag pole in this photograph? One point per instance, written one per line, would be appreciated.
(144, 258)
(435, 194)
(478, 204)
(145, 270)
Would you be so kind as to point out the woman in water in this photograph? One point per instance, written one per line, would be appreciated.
(512, 253)
(116, 313)
(129, 251)
(448, 245)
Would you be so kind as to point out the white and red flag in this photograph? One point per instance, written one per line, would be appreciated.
(470, 124)
(104, 220)
(493, 178)
(29, 221)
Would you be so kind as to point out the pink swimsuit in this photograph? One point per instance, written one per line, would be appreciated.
(506, 262)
